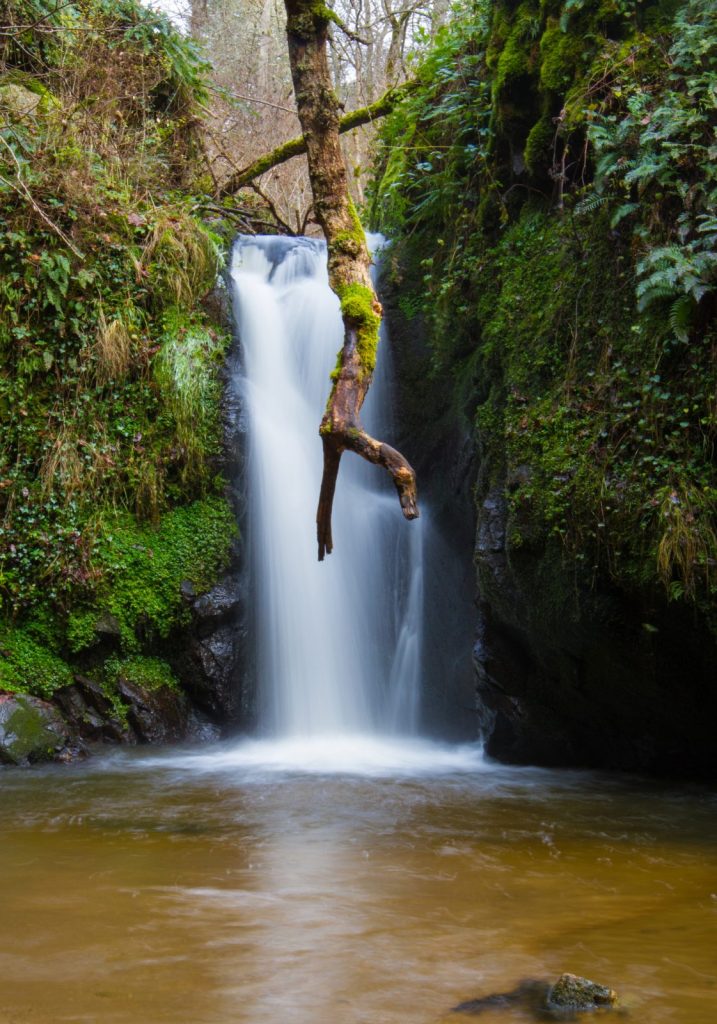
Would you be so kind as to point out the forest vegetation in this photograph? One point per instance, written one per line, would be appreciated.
(552, 193)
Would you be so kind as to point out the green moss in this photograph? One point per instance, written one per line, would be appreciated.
(29, 735)
(516, 55)
(147, 672)
(357, 307)
(28, 666)
(539, 145)
(560, 55)
(81, 630)
(349, 243)
(144, 567)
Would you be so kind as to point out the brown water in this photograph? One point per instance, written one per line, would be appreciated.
(216, 888)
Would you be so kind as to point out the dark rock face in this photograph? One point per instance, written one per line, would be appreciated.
(577, 673)
(90, 711)
(32, 730)
(162, 715)
(211, 660)
(210, 663)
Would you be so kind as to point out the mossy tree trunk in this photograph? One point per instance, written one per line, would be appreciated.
(308, 23)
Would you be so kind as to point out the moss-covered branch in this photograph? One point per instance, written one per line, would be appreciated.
(295, 147)
(348, 263)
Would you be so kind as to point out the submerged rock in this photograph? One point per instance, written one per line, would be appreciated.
(569, 997)
(32, 730)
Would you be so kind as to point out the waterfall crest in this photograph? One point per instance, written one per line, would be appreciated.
(338, 643)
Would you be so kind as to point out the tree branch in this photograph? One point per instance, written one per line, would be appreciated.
(295, 147)
(348, 265)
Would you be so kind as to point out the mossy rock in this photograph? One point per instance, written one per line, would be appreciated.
(30, 730)
(575, 993)
(18, 101)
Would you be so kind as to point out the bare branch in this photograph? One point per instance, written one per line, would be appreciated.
(295, 147)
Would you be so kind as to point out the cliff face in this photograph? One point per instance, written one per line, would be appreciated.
(557, 305)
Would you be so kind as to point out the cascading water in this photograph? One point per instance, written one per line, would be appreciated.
(338, 642)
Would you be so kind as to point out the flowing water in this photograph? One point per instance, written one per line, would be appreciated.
(338, 869)
(337, 644)
(373, 885)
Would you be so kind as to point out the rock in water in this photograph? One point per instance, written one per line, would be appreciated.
(575, 993)
(30, 730)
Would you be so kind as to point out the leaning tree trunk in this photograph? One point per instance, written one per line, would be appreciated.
(308, 23)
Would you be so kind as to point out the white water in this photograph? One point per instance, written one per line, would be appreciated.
(338, 643)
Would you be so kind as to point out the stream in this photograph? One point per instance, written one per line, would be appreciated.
(359, 881)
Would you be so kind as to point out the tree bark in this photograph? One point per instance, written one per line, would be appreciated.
(295, 147)
(308, 23)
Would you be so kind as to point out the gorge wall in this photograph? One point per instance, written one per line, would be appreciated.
(554, 309)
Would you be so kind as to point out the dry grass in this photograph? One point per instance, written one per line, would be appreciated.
(688, 547)
(149, 491)
(63, 469)
(112, 350)
(182, 257)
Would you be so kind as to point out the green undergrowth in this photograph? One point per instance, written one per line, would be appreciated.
(551, 191)
(147, 672)
(110, 368)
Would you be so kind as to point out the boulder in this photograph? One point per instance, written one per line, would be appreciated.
(32, 730)
(154, 716)
(91, 712)
(18, 101)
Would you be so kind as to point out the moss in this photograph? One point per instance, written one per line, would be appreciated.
(348, 243)
(28, 666)
(148, 672)
(516, 55)
(539, 145)
(144, 567)
(30, 735)
(560, 55)
(358, 309)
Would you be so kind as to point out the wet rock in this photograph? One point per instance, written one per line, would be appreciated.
(107, 625)
(154, 716)
(216, 681)
(209, 663)
(200, 729)
(566, 1000)
(220, 604)
(575, 993)
(32, 730)
(90, 711)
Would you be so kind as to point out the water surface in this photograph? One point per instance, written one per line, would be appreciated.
(348, 881)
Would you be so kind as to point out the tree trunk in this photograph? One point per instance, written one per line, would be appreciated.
(308, 22)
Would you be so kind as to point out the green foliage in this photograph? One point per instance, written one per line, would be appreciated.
(27, 666)
(656, 154)
(140, 569)
(149, 673)
(565, 276)
(109, 368)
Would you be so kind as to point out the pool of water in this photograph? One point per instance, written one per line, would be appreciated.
(345, 882)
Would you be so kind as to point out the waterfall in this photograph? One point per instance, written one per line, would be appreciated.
(337, 643)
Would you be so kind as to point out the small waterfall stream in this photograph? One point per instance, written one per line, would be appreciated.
(337, 643)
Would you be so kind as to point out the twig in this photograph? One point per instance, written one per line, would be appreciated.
(22, 190)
